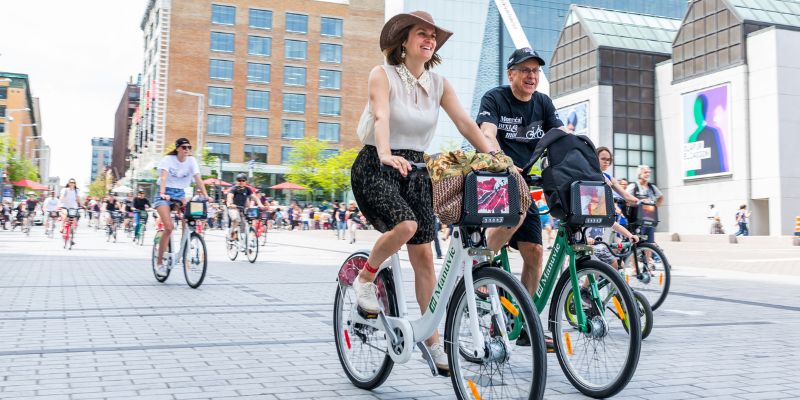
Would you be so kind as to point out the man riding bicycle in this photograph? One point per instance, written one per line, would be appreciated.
(140, 204)
(127, 206)
(30, 205)
(238, 199)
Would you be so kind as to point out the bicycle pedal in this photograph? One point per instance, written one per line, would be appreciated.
(443, 372)
(367, 314)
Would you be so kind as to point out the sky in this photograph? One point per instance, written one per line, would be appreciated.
(79, 55)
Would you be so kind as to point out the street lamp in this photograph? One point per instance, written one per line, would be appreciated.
(200, 112)
(19, 134)
(28, 140)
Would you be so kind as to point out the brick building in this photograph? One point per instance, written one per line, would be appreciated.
(123, 120)
(270, 72)
(18, 111)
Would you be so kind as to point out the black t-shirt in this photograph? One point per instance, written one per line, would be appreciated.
(111, 205)
(520, 124)
(140, 204)
(31, 204)
(240, 195)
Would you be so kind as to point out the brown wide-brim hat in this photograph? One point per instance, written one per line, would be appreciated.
(401, 21)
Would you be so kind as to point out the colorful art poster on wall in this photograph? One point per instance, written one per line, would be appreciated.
(576, 118)
(707, 132)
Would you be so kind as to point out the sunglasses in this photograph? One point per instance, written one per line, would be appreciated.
(241, 180)
(187, 147)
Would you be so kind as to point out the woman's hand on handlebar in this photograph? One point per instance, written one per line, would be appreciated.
(634, 239)
(164, 197)
(397, 162)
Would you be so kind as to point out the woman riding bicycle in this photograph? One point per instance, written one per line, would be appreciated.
(176, 171)
(404, 100)
(69, 199)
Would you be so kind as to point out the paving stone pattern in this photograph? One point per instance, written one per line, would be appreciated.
(92, 323)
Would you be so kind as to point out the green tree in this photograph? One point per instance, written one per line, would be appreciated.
(17, 168)
(98, 187)
(334, 174)
(305, 163)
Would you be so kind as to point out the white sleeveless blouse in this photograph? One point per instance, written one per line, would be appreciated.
(413, 108)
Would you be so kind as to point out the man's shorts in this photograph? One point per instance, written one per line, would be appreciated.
(233, 214)
(531, 229)
(602, 254)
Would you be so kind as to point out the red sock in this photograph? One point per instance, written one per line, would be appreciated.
(370, 268)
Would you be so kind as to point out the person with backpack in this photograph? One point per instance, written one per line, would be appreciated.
(643, 189)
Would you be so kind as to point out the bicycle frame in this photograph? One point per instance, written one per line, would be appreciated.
(561, 249)
(176, 258)
(457, 258)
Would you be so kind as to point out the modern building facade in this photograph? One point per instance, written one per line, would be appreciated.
(101, 155)
(269, 73)
(726, 116)
(123, 119)
(474, 57)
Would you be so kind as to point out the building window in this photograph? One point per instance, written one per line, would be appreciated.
(294, 76)
(220, 97)
(2, 111)
(329, 105)
(328, 153)
(296, 49)
(260, 19)
(221, 41)
(221, 69)
(225, 15)
(257, 153)
(297, 23)
(221, 150)
(259, 45)
(294, 103)
(631, 151)
(286, 152)
(257, 100)
(256, 127)
(331, 27)
(331, 53)
(219, 124)
(328, 132)
(330, 79)
(3, 92)
(2, 127)
(259, 73)
(293, 129)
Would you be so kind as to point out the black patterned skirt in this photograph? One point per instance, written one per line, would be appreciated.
(386, 199)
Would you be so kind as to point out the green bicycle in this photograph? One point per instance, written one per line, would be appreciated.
(594, 318)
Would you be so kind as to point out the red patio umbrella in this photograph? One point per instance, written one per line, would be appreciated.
(215, 181)
(30, 184)
(288, 186)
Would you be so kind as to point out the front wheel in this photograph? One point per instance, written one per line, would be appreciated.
(232, 248)
(507, 370)
(251, 246)
(195, 261)
(362, 350)
(600, 359)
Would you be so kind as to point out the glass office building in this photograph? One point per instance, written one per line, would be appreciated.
(474, 57)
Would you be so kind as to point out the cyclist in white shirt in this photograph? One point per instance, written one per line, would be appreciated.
(50, 205)
(69, 199)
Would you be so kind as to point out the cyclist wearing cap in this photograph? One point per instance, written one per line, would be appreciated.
(239, 197)
(176, 171)
(140, 203)
(50, 205)
(30, 205)
(514, 117)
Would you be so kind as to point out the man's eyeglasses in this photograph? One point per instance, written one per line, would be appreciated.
(526, 71)
(241, 180)
(186, 147)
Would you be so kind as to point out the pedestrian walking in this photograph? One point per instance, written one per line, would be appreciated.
(743, 219)
(716, 224)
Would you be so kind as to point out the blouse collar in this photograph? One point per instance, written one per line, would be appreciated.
(409, 81)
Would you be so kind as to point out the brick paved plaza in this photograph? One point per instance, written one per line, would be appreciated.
(93, 323)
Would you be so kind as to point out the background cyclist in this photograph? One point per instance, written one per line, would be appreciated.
(240, 196)
(50, 205)
(140, 203)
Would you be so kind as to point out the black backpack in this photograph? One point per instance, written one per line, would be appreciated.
(567, 158)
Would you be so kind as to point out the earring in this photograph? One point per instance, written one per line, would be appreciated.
(403, 53)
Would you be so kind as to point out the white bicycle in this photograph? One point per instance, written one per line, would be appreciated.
(482, 304)
(191, 254)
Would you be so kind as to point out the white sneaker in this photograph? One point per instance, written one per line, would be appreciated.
(161, 270)
(439, 356)
(365, 295)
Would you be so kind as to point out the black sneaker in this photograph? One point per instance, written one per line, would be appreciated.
(523, 340)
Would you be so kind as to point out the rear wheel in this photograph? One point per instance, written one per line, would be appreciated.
(251, 247)
(600, 361)
(362, 350)
(650, 275)
(195, 261)
(232, 248)
(645, 314)
(71, 237)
